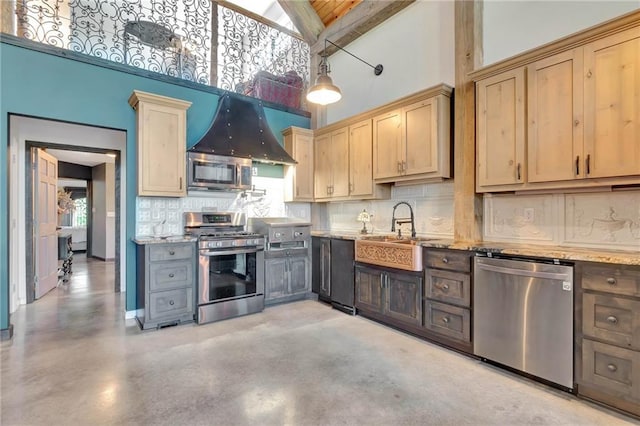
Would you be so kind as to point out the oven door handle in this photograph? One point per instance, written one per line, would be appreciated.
(211, 253)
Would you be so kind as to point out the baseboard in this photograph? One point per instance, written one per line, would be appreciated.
(133, 314)
(6, 333)
(107, 259)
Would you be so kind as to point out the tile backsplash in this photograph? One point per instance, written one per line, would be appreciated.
(432, 206)
(152, 211)
(608, 220)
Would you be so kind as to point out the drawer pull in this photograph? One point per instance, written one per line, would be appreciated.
(444, 287)
(445, 320)
(171, 252)
(612, 368)
(611, 281)
(171, 275)
(612, 319)
(171, 302)
(445, 260)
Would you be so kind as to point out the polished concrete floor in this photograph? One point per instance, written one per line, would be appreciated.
(74, 360)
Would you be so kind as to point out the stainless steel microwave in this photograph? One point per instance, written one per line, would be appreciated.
(218, 172)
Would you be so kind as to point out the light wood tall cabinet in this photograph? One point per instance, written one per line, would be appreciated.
(413, 141)
(162, 143)
(360, 152)
(565, 116)
(298, 143)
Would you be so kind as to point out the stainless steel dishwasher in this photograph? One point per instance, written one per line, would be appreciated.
(523, 316)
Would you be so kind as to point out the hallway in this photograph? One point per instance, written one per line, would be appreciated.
(75, 360)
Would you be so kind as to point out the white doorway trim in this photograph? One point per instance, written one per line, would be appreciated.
(23, 128)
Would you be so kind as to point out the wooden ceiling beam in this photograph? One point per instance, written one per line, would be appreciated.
(304, 17)
(362, 18)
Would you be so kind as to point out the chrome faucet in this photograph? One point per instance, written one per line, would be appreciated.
(402, 220)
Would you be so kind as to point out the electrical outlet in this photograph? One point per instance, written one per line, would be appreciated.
(254, 171)
(529, 214)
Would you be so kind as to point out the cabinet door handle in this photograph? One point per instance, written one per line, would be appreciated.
(181, 183)
(612, 368)
(445, 260)
(589, 74)
(171, 275)
(588, 166)
(404, 166)
(350, 187)
(297, 191)
(612, 319)
(445, 320)
(399, 166)
(444, 287)
(382, 280)
(611, 281)
(171, 302)
(577, 165)
(518, 175)
(171, 252)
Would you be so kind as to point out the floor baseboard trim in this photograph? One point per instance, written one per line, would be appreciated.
(133, 314)
(6, 333)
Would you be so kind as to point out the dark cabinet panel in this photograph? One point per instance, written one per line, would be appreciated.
(369, 288)
(403, 297)
(342, 272)
(298, 272)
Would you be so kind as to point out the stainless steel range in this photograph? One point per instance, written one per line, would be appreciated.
(230, 265)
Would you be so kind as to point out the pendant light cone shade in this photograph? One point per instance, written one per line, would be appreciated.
(324, 92)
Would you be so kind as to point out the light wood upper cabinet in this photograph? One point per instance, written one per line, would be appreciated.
(500, 134)
(387, 138)
(360, 159)
(322, 161)
(344, 164)
(413, 142)
(298, 143)
(162, 144)
(612, 105)
(555, 116)
(332, 164)
(340, 163)
(582, 115)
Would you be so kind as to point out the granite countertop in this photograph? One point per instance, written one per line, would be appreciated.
(549, 252)
(150, 239)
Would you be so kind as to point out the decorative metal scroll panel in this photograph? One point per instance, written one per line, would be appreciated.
(246, 46)
(173, 37)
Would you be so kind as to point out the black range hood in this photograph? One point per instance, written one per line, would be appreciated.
(240, 129)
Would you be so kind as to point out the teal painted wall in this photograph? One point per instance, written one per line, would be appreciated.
(53, 87)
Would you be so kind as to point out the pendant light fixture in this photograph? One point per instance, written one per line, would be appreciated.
(324, 92)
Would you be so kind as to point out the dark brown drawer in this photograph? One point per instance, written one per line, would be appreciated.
(611, 318)
(612, 279)
(453, 260)
(450, 321)
(168, 275)
(612, 369)
(450, 287)
(162, 252)
(171, 303)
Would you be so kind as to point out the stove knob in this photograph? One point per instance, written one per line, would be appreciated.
(218, 243)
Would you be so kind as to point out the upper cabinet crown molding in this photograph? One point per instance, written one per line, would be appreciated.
(139, 96)
(569, 42)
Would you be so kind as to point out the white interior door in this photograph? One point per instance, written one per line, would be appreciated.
(45, 219)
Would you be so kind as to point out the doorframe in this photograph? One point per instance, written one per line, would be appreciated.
(29, 204)
(22, 127)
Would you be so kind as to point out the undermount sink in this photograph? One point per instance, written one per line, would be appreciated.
(390, 251)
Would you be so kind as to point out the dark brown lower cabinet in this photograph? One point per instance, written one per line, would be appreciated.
(607, 359)
(389, 296)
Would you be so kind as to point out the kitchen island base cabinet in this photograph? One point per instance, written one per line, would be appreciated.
(166, 283)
